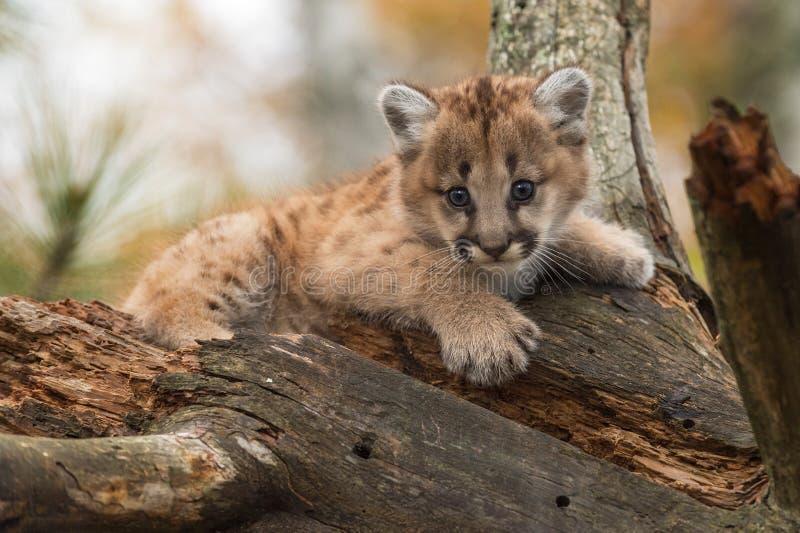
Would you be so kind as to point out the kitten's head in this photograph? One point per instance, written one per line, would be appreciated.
(493, 165)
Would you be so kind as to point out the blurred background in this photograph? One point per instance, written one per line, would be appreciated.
(122, 123)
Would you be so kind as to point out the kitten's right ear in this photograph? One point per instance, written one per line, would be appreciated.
(406, 111)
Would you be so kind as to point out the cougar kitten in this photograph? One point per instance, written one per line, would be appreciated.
(484, 193)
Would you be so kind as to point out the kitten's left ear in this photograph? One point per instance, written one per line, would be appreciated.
(563, 98)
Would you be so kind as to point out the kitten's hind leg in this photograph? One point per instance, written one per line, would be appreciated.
(216, 278)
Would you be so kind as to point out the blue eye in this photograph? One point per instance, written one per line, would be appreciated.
(522, 190)
(458, 196)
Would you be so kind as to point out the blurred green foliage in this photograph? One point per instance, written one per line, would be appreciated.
(80, 184)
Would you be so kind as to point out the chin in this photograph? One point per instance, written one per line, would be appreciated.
(502, 265)
(499, 275)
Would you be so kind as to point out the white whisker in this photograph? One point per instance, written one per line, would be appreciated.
(427, 254)
(440, 263)
(554, 265)
(565, 262)
(545, 269)
(559, 265)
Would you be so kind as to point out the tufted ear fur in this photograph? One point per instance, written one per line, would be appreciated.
(563, 97)
(406, 111)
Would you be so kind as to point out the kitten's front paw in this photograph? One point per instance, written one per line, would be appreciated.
(639, 267)
(636, 265)
(491, 352)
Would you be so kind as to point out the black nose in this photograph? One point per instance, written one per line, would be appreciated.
(495, 251)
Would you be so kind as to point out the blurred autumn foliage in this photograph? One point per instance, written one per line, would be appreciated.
(245, 99)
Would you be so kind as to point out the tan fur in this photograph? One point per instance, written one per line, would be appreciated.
(384, 244)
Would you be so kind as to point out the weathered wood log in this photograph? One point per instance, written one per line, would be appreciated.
(746, 205)
(205, 468)
(71, 369)
(618, 375)
(297, 431)
(618, 399)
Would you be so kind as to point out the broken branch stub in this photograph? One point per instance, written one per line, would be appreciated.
(746, 206)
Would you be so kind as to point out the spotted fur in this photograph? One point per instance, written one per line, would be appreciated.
(389, 245)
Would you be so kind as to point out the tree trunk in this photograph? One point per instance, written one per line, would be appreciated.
(326, 439)
(746, 205)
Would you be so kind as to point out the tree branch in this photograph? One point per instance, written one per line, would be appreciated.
(203, 469)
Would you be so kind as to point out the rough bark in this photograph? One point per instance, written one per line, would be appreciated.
(204, 468)
(620, 376)
(71, 369)
(746, 205)
(296, 431)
